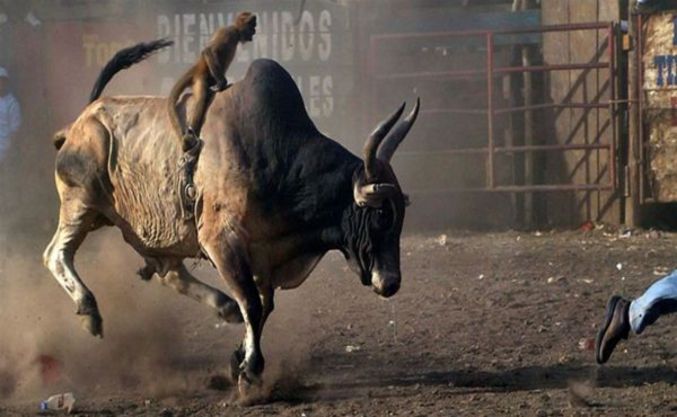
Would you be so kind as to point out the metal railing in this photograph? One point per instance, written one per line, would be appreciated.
(490, 72)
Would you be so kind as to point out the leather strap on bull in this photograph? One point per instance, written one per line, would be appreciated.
(187, 191)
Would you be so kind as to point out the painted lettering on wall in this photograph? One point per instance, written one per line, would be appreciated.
(278, 37)
(665, 67)
(317, 90)
(98, 52)
(666, 64)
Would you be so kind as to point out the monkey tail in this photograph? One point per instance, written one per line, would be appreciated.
(173, 99)
(124, 59)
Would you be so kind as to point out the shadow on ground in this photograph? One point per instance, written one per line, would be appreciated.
(465, 381)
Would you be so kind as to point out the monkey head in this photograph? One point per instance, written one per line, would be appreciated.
(245, 23)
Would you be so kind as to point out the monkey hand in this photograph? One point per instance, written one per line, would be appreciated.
(220, 85)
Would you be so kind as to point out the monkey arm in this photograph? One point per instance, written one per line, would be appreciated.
(216, 68)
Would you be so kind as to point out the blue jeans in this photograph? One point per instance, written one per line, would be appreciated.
(659, 299)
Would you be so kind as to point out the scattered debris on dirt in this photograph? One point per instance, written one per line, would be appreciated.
(352, 348)
(586, 343)
(58, 402)
(587, 227)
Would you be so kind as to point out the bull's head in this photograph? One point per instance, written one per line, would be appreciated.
(374, 222)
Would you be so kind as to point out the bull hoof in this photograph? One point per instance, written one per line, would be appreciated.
(93, 324)
(146, 273)
(230, 312)
(250, 390)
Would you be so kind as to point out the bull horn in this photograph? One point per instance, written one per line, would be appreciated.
(393, 140)
(375, 140)
(380, 189)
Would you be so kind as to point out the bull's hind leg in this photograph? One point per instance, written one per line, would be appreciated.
(183, 282)
(75, 221)
(229, 254)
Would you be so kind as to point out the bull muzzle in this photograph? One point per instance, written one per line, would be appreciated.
(385, 284)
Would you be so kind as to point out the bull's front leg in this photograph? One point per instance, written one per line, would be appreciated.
(267, 293)
(227, 250)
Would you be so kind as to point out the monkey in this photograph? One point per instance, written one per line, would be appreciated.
(207, 76)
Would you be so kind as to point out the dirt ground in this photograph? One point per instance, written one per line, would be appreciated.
(484, 325)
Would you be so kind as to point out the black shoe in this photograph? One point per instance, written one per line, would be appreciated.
(616, 327)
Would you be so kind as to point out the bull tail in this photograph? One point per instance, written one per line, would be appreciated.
(124, 59)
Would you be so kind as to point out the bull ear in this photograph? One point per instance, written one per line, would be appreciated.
(375, 140)
(393, 140)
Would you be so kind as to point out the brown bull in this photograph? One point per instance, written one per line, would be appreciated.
(274, 196)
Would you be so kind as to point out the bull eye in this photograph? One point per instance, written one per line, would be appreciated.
(383, 218)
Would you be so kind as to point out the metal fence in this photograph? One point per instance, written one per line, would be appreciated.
(490, 72)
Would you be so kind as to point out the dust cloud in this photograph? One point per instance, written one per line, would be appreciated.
(156, 342)
(43, 348)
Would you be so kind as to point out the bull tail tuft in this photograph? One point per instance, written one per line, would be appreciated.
(123, 59)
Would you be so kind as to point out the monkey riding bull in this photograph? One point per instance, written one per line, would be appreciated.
(275, 196)
(207, 76)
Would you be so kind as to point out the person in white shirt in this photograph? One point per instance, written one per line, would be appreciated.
(10, 114)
